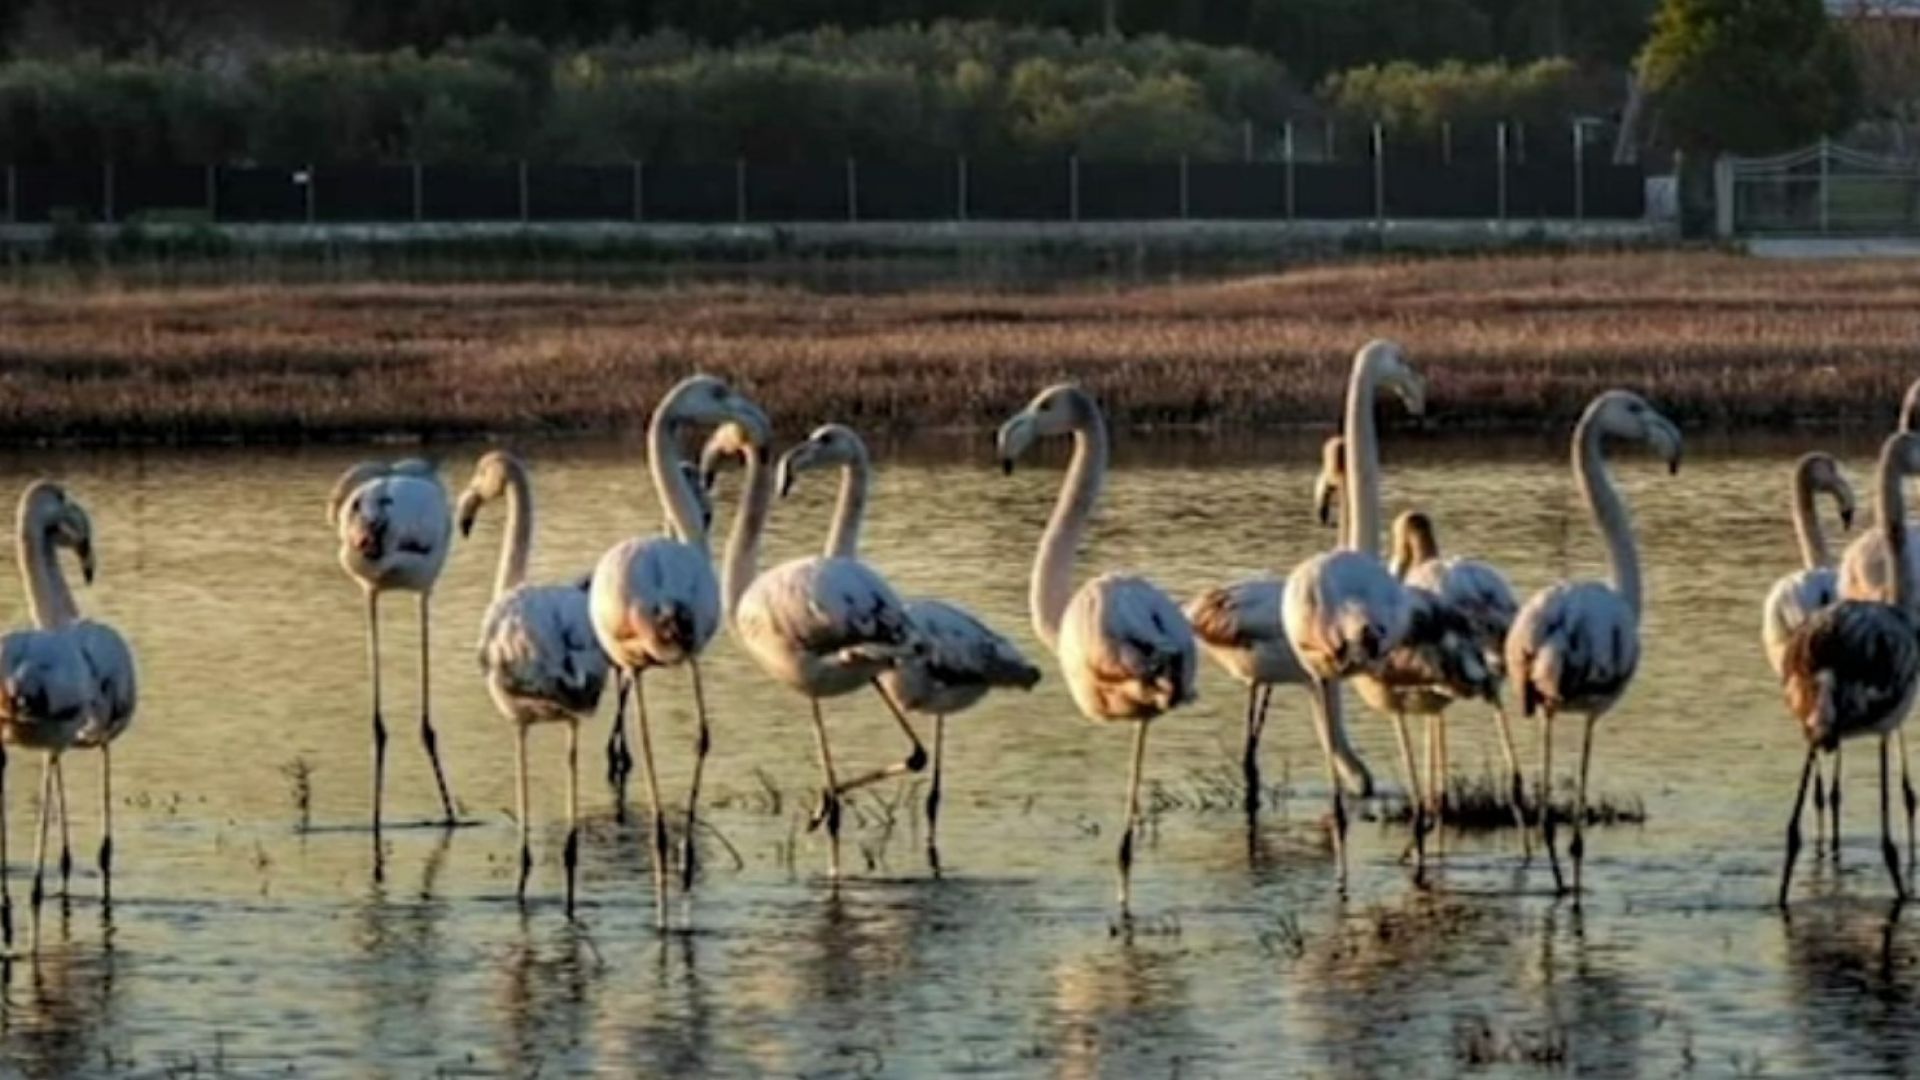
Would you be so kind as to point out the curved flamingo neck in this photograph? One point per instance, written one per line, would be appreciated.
(677, 501)
(850, 510)
(49, 601)
(1052, 584)
(1893, 521)
(1806, 522)
(1609, 512)
(749, 525)
(1910, 409)
(516, 547)
(1361, 531)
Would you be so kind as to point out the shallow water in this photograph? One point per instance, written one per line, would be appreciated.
(238, 942)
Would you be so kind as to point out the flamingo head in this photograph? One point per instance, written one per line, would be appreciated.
(1623, 414)
(493, 475)
(1328, 485)
(830, 444)
(46, 510)
(1061, 409)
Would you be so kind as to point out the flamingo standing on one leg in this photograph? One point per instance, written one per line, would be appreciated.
(46, 694)
(965, 658)
(1851, 668)
(48, 520)
(394, 531)
(822, 625)
(1239, 626)
(1126, 649)
(1343, 612)
(1815, 586)
(1575, 646)
(655, 601)
(537, 649)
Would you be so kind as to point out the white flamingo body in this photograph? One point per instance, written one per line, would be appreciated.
(1475, 589)
(824, 627)
(655, 602)
(46, 690)
(110, 669)
(1794, 599)
(1851, 669)
(1575, 646)
(1126, 650)
(1344, 613)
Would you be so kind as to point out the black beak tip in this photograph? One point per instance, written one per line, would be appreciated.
(1846, 519)
(766, 454)
(1673, 467)
(1006, 466)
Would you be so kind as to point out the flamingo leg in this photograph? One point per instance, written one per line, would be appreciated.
(40, 843)
(1437, 786)
(1907, 793)
(1132, 824)
(659, 831)
(1519, 793)
(702, 745)
(619, 758)
(1257, 696)
(1416, 799)
(106, 824)
(1819, 814)
(1578, 849)
(1325, 704)
(520, 805)
(1546, 800)
(6, 886)
(1833, 805)
(570, 855)
(933, 796)
(427, 735)
(1887, 850)
(379, 728)
(66, 828)
(1807, 771)
(829, 812)
(915, 761)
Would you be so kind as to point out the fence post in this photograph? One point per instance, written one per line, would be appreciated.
(106, 192)
(313, 182)
(639, 185)
(419, 193)
(213, 193)
(1288, 152)
(525, 203)
(1379, 179)
(1246, 141)
(740, 190)
(960, 189)
(1328, 156)
(1446, 142)
(1722, 194)
(1500, 171)
(1073, 187)
(1825, 187)
(1183, 187)
(853, 190)
(1579, 172)
(13, 193)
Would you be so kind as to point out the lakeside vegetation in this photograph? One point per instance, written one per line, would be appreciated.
(1515, 342)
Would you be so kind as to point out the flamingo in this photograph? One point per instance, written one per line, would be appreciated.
(537, 648)
(1238, 625)
(50, 519)
(394, 531)
(1865, 574)
(1816, 585)
(655, 601)
(965, 658)
(1343, 612)
(1126, 650)
(1575, 645)
(46, 699)
(1851, 668)
(822, 625)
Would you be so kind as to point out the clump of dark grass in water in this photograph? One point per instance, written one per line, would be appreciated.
(1485, 803)
(1476, 1043)
(299, 774)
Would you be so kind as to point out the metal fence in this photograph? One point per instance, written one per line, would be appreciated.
(1824, 189)
(1410, 182)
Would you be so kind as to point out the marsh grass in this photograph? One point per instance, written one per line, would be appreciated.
(1483, 802)
(1507, 342)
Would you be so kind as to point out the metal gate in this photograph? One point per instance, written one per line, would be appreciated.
(1824, 189)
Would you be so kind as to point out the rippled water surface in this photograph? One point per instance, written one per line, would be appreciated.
(238, 942)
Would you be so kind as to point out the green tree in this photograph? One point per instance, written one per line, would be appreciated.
(1748, 76)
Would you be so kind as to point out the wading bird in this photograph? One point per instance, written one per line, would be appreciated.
(1575, 646)
(537, 649)
(1850, 669)
(394, 531)
(1815, 586)
(964, 657)
(1238, 625)
(1343, 612)
(45, 694)
(1126, 651)
(821, 625)
(50, 519)
(655, 601)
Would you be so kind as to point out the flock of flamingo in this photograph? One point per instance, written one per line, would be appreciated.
(1414, 632)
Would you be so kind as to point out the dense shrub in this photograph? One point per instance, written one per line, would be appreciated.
(1407, 97)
